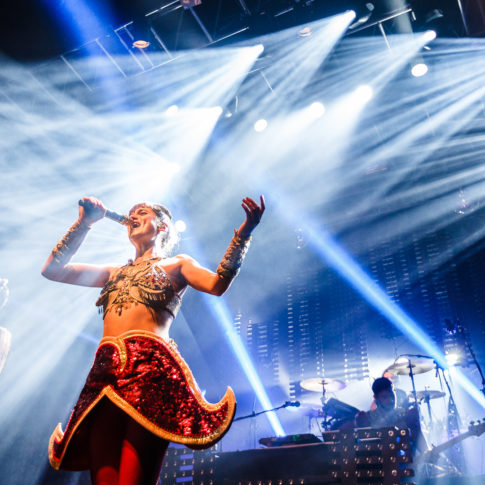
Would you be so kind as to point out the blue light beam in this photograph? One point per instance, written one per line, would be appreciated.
(223, 316)
(331, 252)
(342, 262)
(221, 312)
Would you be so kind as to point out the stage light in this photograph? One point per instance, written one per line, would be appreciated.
(316, 109)
(180, 226)
(222, 314)
(453, 358)
(172, 110)
(364, 93)
(260, 125)
(430, 35)
(259, 49)
(141, 44)
(348, 268)
(305, 32)
(364, 16)
(419, 69)
(191, 3)
(351, 15)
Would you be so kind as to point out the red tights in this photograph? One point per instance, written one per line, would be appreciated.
(121, 451)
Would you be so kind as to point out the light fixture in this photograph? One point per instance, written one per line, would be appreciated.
(419, 69)
(429, 35)
(260, 125)
(453, 358)
(364, 93)
(180, 225)
(172, 110)
(305, 32)
(316, 109)
(141, 31)
(141, 44)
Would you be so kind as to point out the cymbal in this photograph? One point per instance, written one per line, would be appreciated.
(427, 394)
(316, 384)
(419, 366)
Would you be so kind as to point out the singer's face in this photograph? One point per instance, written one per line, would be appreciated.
(144, 224)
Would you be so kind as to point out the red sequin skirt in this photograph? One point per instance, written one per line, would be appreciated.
(147, 378)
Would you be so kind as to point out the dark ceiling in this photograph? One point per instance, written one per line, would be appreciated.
(33, 30)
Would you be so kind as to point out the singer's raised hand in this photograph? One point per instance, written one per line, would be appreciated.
(91, 210)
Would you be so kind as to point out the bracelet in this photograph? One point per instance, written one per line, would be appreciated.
(231, 262)
(69, 244)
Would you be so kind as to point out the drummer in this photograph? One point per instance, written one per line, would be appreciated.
(402, 399)
(387, 414)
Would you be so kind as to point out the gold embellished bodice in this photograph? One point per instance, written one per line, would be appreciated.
(144, 283)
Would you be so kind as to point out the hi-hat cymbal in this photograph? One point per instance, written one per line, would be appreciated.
(418, 365)
(427, 394)
(317, 384)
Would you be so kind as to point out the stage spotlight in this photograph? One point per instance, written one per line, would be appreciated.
(362, 18)
(180, 226)
(350, 14)
(453, 358)
(364, 93)
(140, 31)
(171, 110)
(260, 125)
(305, 32)
(141, 44)
(191, 3)
(259, 48)
(429, 35)
(316, 110)
(419, 69)
(434, 14)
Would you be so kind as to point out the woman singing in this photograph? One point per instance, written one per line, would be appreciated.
(139, 393)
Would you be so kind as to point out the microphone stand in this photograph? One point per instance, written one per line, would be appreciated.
(253, 414)
(475, 361)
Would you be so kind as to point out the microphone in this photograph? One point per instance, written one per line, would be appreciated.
(296, 404)
(114, 216)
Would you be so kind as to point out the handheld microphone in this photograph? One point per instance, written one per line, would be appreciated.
(114, 216)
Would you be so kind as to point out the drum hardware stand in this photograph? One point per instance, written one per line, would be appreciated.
(428, 405)
(411, 375)
(323, 399)
(323, 385)
(453, 421)
(468, 345)
(457, 327)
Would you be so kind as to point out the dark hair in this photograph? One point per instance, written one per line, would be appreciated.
(381, 384)
(170, 236)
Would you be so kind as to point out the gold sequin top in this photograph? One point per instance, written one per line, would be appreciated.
(143, 282)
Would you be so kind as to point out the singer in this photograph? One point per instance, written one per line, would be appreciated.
(140, 394)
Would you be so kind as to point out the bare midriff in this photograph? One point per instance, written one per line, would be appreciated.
(137, 317)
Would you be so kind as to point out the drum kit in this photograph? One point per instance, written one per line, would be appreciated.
(335, 413)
